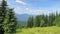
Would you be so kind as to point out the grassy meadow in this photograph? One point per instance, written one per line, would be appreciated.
(40, 30)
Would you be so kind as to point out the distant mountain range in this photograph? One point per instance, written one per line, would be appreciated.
(23, 17)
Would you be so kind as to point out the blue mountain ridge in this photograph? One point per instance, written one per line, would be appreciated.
(22, 17)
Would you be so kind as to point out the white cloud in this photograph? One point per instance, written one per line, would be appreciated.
(19, 10)
(24, 10)
(21, 2)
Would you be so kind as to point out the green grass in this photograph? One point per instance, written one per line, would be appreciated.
(40, 30)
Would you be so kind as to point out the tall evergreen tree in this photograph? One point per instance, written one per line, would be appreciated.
(10, 22)
(30, 22)
(51, 19)
(39, 21)
(42, 20)
(3, 9)
(57, 20)
(45, 21)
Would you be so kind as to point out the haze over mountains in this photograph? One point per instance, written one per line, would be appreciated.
(22, 17)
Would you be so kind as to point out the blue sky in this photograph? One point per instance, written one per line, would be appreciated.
(34, 7)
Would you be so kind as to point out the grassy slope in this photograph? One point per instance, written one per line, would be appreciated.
(42, 30)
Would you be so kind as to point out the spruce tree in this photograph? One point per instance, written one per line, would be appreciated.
(3, 9)
(37, 21)
(42, 18)
(57, 20)
(10, 22)
(46, 20)
(30, 22)
(51, 19)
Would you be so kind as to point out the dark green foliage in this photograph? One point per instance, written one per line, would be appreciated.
(51, 19)
(45, 20)
(3, 10)
(30, 22)
(57, 20)
(38, 21)
(8, 20)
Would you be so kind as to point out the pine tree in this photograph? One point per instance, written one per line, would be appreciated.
(45, 20)
(30, 22)
(42, 20)
(51, 19)
(10, 22)
(37, 21)
(57, 20)
(3, 9)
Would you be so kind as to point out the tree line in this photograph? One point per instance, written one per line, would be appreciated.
(44, 20)
(8, 20)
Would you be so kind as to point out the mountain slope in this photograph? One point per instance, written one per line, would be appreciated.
(22, 17)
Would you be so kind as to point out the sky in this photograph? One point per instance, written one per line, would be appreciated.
(34, 7)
